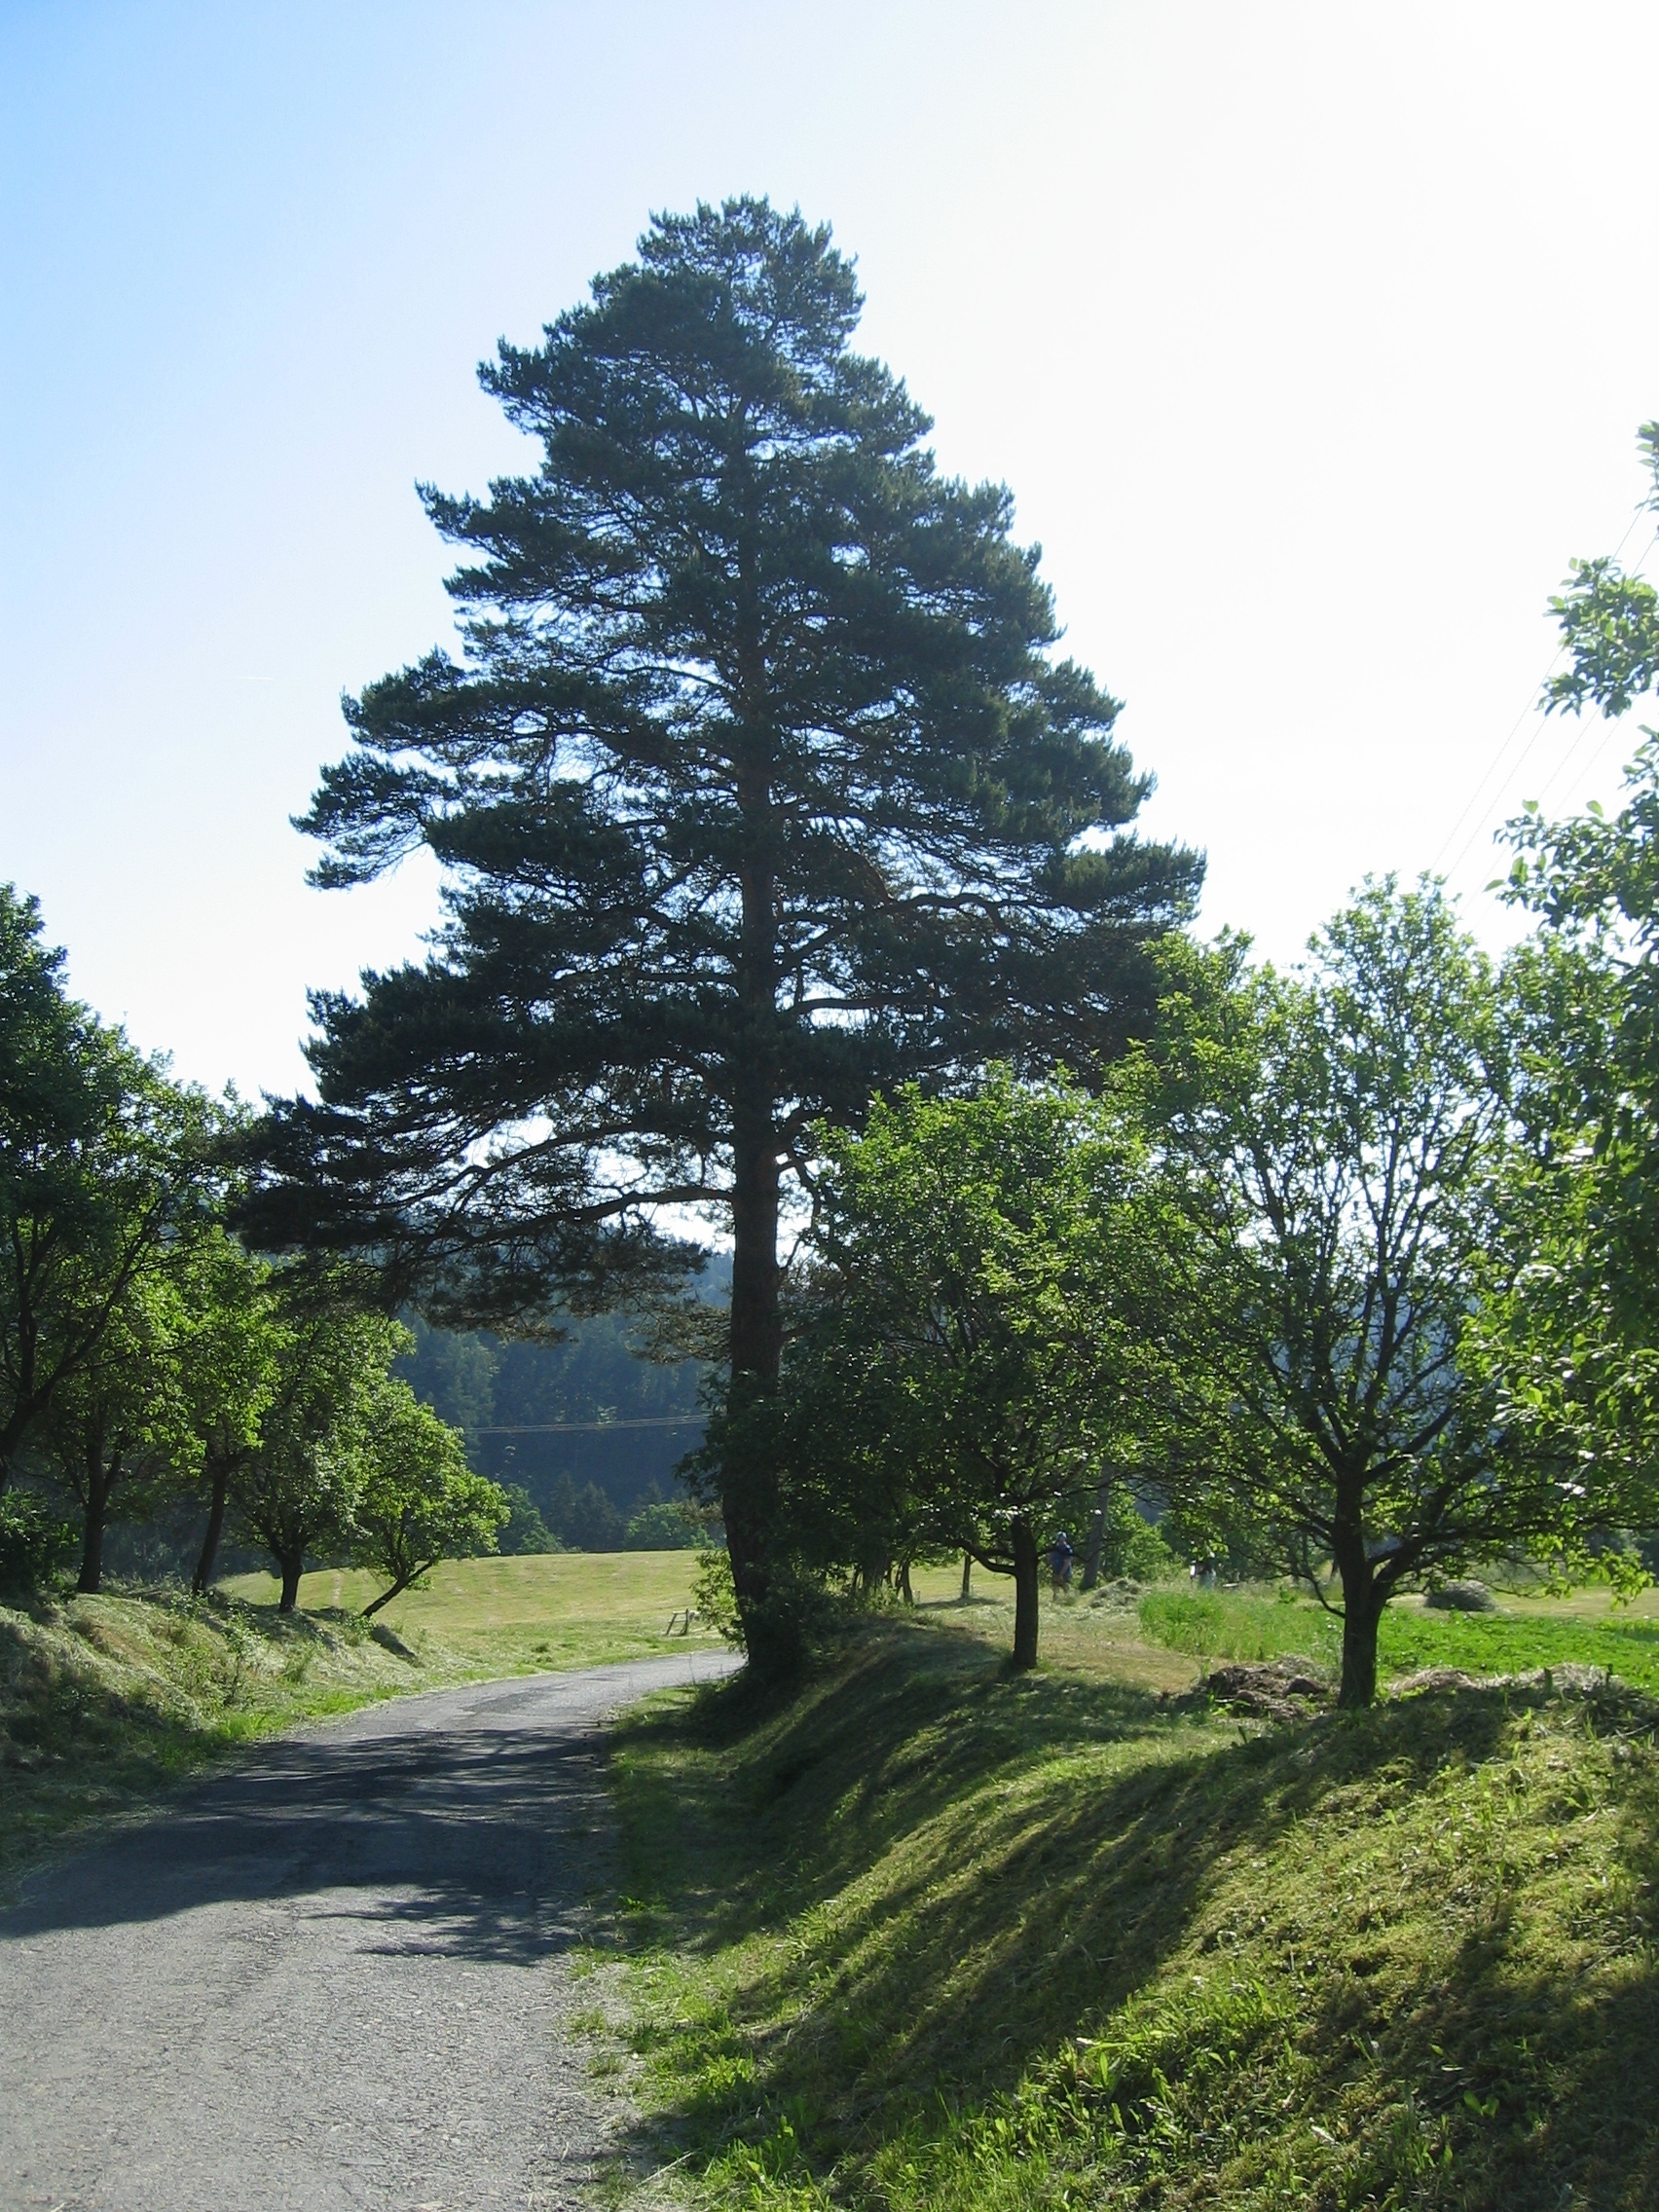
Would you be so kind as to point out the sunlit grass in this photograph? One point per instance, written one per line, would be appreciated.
(529, 1614)
(105, 1700)
(934, 1935)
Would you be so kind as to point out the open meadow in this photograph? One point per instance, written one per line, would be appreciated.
(107, 1700)
(1164, 1637)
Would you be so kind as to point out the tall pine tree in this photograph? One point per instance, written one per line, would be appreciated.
(757, 789)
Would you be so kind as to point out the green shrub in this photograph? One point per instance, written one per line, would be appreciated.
(526, 1530)
(664, 1525)
(1133, 1550)
(34, 1543)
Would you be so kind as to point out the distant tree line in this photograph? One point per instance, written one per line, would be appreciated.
(586, 1431)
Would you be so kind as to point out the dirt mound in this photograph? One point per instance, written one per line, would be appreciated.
(1461, 1598)
(1438, 1678)
(1268, 1689)
(1572, 1675)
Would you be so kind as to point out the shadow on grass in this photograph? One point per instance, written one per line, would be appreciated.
(974, 1867)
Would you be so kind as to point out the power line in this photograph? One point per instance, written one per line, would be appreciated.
(1476, 797)
(594, 1427)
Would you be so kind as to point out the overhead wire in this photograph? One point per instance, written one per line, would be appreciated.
(1488, 805)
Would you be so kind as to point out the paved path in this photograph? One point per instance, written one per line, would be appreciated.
(332, 1977)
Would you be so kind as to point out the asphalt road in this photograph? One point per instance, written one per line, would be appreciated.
(334, 1976)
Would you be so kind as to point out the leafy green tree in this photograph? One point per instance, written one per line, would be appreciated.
(1609, 624)
(455, 1375)
(418, 1501)
(230, 1339)
(116, 1434)
(759, 788)
(105, 1169)
(1345, 1135)
(990, 1266)
(662, 1525)
(524, 1530)
(299, 1494)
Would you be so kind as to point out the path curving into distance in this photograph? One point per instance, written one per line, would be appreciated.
(334, 1976)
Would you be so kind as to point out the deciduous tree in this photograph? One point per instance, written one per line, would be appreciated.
(983, 1339)
(1345, 1135)
(231, 1337)
(106, 1169)
(418, 1500)
(299, 1494)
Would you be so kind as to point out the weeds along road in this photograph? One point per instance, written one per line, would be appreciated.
(334, 1976)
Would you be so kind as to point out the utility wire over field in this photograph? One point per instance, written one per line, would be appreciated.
(572, 1427)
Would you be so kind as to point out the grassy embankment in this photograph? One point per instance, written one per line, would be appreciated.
(937, 1937)
(104, 1701)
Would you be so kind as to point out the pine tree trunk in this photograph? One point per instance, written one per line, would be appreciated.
(101, 1480)
(214, 1529)
(293, 1566)
(1025, 1594)
(770, 1640)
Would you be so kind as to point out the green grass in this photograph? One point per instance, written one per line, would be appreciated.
(1527, 1634)
(934, 1935)
(107, 1701)
(528, 1614)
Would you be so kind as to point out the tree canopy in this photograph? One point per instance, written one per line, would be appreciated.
(1344, 1138)
(982, 1339)
(759, 787)
(106, 1173)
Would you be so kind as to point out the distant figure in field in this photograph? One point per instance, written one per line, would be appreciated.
(1201, 1573)
(1060, 1561)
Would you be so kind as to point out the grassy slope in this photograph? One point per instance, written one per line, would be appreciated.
(531, 1614)
(105, 1700)
(980, 1941)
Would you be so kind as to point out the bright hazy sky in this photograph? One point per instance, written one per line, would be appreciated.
(1313, 341)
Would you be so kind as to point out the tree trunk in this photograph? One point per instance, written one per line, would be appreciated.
(1097, 1533)
(12, 1433)
(1362, 1609)
(396, 1591)
(770, 1641)
(967, 1576)
(293, 1566)
(214, 1529)
(1362, 1614)
(904, 1590)
(100, 1481)
(1025, 1594)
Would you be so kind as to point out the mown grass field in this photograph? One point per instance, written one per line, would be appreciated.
(534, 1613)
(934, 1935)
(1164, 1637)
(107, 1701)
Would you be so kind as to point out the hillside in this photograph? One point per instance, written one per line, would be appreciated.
(935, 1935)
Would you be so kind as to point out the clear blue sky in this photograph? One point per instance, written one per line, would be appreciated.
(1311, 339)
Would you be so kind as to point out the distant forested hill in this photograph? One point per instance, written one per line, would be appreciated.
(558, 1420)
